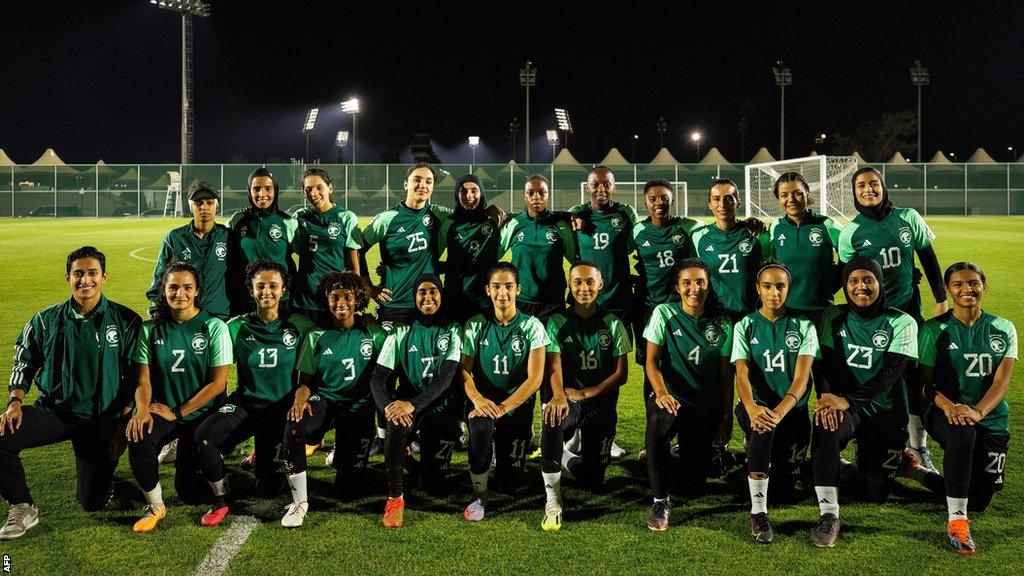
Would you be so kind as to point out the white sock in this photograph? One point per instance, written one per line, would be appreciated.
(552, 485)
(828, 499)
(297, 484)
(566, 457)
(479, 482)
(758, 495)
(381, 432)
(957, 508)
(220, 487)
(918, 435)
(665, 499)
(155, 497)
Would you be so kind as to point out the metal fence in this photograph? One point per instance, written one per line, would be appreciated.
(141, 190)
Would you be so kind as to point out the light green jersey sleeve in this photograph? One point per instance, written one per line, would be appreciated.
(454, 351)
(235, 218)
(555, 323)
(808, 339)
(140, 355)
(291, 229)
(377, 335)
(825, 338)
(353, 235)
(904, 336)
(469, 334)
(443, 213)
(301, 323)
(691, 225)
(655, 330)
(926, 339)
(389, 350)
(696, 236)
(221, 350)
(234, 325)
(727, 330)
(535, 334)
(508, 231)
(1011, 336)
(835, 230)
(846, 251)
(378, 228)
(631, 212)
(770, 250)
(637, 229)
(740, 345)
(307, 353)
(923, 235)
(620, 338)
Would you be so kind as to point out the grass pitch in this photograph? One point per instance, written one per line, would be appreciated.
(602, 533)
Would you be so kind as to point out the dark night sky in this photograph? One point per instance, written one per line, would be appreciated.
(105, 83)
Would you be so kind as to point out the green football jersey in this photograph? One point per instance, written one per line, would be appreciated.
(258, 236)
(608, 241)
(341, 362)
(473, 247)
(209, 256)
(538, 247)
(891, 243)
(266, 354)
(321, 242)
(734, 257)
(808, 250)
(180, 357)
(965, 360)
(501, 352)
(415, 352)
(657, 251)
(861, 344)
(408, 247)
(771, 350)
(691, 353)
(589, 347)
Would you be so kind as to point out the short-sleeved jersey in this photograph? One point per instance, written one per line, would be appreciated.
(771, 350)
(965, 360)
(607, 240)
(473, 247)
(415, 352)
(266, 353)
(891, 243)
(408, 247)
(321, 242)
(860, 346)
(259, 236)
(808, 250)
(180, 357)
(589, 347)
(691, 352)
(538, 247)
(501, 353)
(209, 256)
(341, 362)
(734, 257)
(657, 251)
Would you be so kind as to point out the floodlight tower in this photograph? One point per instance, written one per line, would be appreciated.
(662, 126)
(474, 141)
(783, 78)
(564, 124)
(307, 127)
(187, 9)
(351, 106)
(695, 137)
(553, 141)
(919, 76)
(341, 140)
(527, 79)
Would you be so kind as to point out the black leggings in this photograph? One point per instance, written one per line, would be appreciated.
(596, 419)
(880, 448)
(188, 475)
(695, 428)
(509, 435)
(353, 433)
(438, 434)
(781, 451)
(974, 459)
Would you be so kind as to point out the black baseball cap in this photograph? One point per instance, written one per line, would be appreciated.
(201, 190)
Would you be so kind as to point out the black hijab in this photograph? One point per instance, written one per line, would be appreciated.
(461, 214)
(251, 208)
(437, 318)
(864, 263)
(879, 211)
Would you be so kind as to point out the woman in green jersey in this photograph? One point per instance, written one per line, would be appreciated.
(473, 243)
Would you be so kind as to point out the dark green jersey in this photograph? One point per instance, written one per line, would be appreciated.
(341, 362)
(607, 240)
(657, 251)
(408, 247)
(266, 354)
(965, 360)
(473, 247)
(322, 241)
(589, 347)
(891, 243)
(256, 235)
(860, 346)
(180, 357)
(808, 250)
(691, 353)
(81, 365)
(734, 257)
(771, 350)
(415, 352)
(501, 353)
(538, 247)
(209, 256)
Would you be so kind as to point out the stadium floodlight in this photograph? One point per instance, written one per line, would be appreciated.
(308, 125)
(919, 77)
(783, 78)
(187, 9)
(564, 124)
(351, 106)
(662, 126)
(528, 79)
(474, 141)
(695, 137)
(1010, 150)
(553, 142)
(636, 138)
(340, 141)
(513, 130)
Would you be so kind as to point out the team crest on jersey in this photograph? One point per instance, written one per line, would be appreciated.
(792, 340)
(474, 245)
(487, 228)
(221, 250)
(442, 343)
(290, 338)
(678, 239)
(905, 236)
(746, 246)
(366, 348)
(604, 339)
(334, 230)
(518, 345)
(880, 339)
(997, 344)
(816, 236)
(521, 236)
(617, 222)
(186, 254)
(112, 335)
(199, 342)
(227, 409)
(712, 334)
(551, 236)
(275, 232)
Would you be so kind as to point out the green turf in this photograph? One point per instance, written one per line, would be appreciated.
(603, 533)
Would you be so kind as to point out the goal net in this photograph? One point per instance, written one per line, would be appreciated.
(828, 177)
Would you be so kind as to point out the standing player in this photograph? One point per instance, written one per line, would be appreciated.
(539, 241)
(502, 363)
(266, 345)
(335, 365)
(586, 363)
(328, 239)
(691, 378)
(967, 358)
(78, 354)
(183, 355)
(424, 355)
(203, 244)
(890, 236)
(773, 349)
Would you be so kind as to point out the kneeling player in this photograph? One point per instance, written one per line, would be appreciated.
(691, 378)
(335, 364)
(967, 358)
(587, 364)
(773, 352)
(502, 364)
(424, 355)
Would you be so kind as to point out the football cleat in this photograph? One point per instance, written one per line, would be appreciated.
(249, 461)
(149, 520)
(924, 458)
(908, 463)
(658, 520)
(215, 515)
(618, 451)
(959, 532)
(761, 528)
(394, 512)
(19, 520)
(310, 448)
(552, 516)
(329, 460)
(295, 514)
(826, 532)
(376, 446)
(475, 511)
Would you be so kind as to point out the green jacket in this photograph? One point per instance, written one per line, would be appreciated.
(208, 254)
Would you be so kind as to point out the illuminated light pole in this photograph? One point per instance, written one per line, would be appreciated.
(474, 141)
(528, 79)
(919, 76)
(341, 140)
(351, 106)
(695, 137)
(564, 124)
(783, 78)
(662, 126)
(553, 141)
(307, 127)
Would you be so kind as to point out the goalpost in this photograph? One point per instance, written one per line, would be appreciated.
(681, 202)
(828, 177)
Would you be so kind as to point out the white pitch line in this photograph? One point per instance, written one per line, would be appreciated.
(224, 549)
(135, 254)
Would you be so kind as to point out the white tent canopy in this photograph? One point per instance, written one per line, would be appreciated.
(763, 155)
(980, 157)
(565, 158)
(664, 157)
(49, 158)
(714, 157)
(5, 160)
(860, 159)
(897, 158)
(614, 158)
(939, 158)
